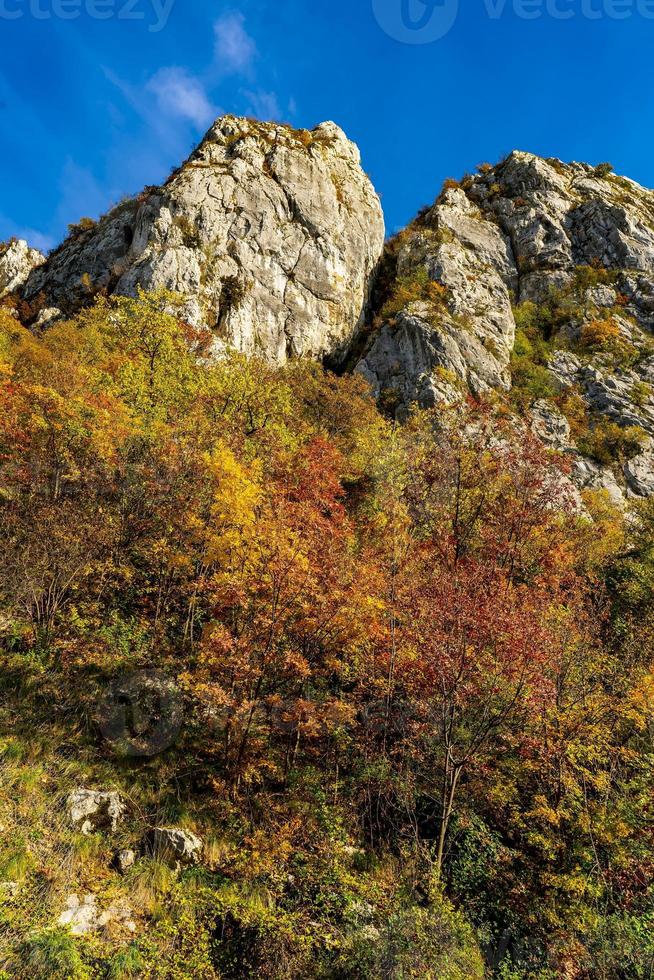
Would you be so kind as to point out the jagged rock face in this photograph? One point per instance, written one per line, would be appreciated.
(270, 233)
(516, 233)
(17, 260)
(427, 347)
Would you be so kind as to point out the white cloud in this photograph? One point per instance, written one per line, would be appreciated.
(35, 238)
(179, 94)
(263, 105)
(235, 50)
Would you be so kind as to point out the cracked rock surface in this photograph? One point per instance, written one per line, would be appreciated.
(271, 234)
(513, 234)
(425, 348)
(17, 260)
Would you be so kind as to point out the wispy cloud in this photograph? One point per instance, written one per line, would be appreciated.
(81, 193)
(235, 50)
(263, 105)
(34, 237)
(181, 95)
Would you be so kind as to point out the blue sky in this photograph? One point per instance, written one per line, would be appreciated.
(92, 109)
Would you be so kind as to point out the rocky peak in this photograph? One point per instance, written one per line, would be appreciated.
(17, 260)
(561, 255)
(272, 235)
(564, 215)
(532, 278)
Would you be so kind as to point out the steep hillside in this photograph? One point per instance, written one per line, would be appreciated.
(289, 690)
(533, 279)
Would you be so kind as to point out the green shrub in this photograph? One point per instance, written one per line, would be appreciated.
(428, 943)
(189, 231)
(623, 946)
(126, 964)
(51, 954)
(641, 393)
(416, 286)
(609, 443)
(531, 379)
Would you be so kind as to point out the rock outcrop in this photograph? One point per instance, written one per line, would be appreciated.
(464, 334)
(90, 810)
(565, 251)
(174, 846)
(271, 234)
(17, 261)
(533, 279)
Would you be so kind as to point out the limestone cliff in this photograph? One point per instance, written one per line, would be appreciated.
(272, 235)
(563, 252)
(17, 260)
(532, 279)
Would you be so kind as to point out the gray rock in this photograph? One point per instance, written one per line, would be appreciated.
(404, 361)
(639, 474)
(565, 367)
(550, 425)
(601, 296)
(429, 347)
(48, 316)
(174, 846)
(613, 395)
(84, 917)
(271, 235)
(123, 860)
(521, 229)
(588, 474)
(90, 810)
(17, 260)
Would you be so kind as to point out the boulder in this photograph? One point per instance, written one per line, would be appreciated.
(639, 474)
(85, 916)
(90, 810)
(123, 860)
(174, 846)
(550, 425)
